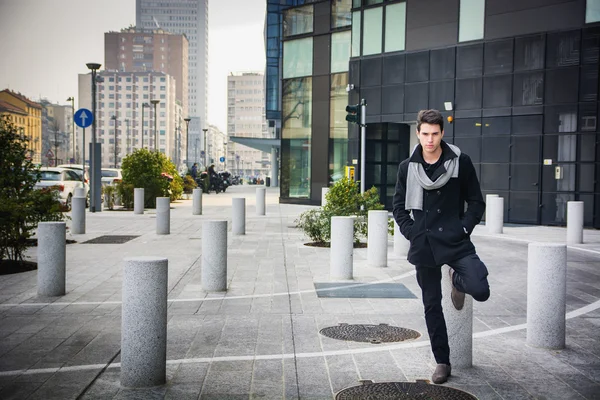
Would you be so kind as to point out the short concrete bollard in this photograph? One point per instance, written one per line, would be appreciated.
(261, 204)
(79, 192)
(138, 200)
(238, 217)
(163, 216)
(144, 322)
(52, 258)
(487, 206)
(214, 256)
(401, 245)
(323, 194)
(546, 295)
(495, 223)
(459, 324)
(377, 238)
(342, 248)
(574, 222)
(78, 215)
(197, 202)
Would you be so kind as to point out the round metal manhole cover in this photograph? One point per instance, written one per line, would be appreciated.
(402, 391)
(382, 333)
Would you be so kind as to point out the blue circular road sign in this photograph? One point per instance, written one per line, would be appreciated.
(83, 118)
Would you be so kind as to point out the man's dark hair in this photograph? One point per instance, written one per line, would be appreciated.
(431, 117)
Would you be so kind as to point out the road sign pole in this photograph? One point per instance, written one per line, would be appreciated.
(363, 143)
(83, 161)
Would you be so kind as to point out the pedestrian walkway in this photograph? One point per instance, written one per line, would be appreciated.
(261, 339)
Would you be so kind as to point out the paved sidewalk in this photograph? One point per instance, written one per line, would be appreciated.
(261, 338)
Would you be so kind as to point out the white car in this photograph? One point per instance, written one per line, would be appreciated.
(79, 169)
(110, 175)
(64, 179)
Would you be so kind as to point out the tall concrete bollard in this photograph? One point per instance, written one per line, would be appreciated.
(342, 248)
(487, 206)
(401, 245)
(574, 222)
(238, 217)
(214, 256)
(459, 324)
(546, 295)
(144, 322)
(138, 200)
(79, 192)
(52, 258)
(323, 194)
(163, 216)
(377, 238)
(78, 215)
(197, 202)
(495, 222)
(261, 205)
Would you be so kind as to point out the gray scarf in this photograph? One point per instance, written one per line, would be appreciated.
(417, 179)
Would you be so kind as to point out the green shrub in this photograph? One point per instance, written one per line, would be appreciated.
(125, 191)
(109, 196)
(189, 184)
(315, 225)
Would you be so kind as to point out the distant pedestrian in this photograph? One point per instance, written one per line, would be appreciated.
(195, 170)
(432, 187)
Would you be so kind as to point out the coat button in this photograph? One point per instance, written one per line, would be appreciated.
(440, 229)
(439, 211)
(428, 230)
(426, 211)
(439, 192)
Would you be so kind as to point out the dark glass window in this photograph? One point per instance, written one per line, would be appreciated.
(563, 49)
(560, 119)
(467, 127)
(468, 94)
(587, 147)
(524, 177)
(442, 64)
(392, 101)
(588, 117)
(529, 53)
(566, 183)
(588, 83)
(525, 149)
(528, 89)
(591, 45)
(497, 91)
(373, 98)
(496, 126)
(562, 85)
(524, 207)
(527, 125)
(554, 207)
(586, 177)
(415, 98)
(494, 176)
(560, 147)
(440, 92)
(393, 69)
(417, 67)
(469, 61)
(470, 146)
(495, 149)
(498, 57)
(370, 72)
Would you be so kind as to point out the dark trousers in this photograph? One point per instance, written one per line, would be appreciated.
(470, 277)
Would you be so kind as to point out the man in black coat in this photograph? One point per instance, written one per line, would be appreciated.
(432, 187)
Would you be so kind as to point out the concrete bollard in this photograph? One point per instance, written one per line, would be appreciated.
(342, 248)
(487, 208)
(377, 238)
(238, 218)
(78, 215)
(546, 295)
(574, 222)
(459, 324)
(401, 245)
(495, 222)
(323, 198)
(79, 192)
(261, 205)
(163, 216)
(197, 202)
(214, 256)
(138, 200)
(144, 322)
(52, 258)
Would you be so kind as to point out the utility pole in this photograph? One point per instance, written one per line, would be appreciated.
(72, 100)
(357, 114)
(114, 118)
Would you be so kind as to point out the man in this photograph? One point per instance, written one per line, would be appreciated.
(434, 184)
(195, 171)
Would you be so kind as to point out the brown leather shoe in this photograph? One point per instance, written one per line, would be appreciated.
(458, 298)
(441, 373)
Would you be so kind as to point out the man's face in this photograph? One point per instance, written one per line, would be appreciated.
(430, 137)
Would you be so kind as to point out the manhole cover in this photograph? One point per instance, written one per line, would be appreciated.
(402, 391)
(108, 239)
(382, 333)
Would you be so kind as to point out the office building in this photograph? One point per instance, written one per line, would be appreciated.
(27, 115)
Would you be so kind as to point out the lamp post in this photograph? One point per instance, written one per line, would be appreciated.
(155, 102)
(187, 140)
(205, 154)
(196, 150)
(114, 118)
(144, 105)
(127, 143)
(72, 100)
(95, 188)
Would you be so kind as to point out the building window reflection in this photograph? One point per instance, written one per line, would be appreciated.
(297, 21)
(340, 51)
(338, 127)
(341, 14)
(297, 58)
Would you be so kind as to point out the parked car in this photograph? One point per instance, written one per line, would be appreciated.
(110, 175)
(79, 170)
(64, 179)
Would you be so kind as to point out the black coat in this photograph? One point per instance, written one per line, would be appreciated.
(437, 233)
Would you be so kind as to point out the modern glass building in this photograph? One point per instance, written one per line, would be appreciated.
(519, 78)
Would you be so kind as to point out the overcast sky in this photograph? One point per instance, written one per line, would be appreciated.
(44, 44)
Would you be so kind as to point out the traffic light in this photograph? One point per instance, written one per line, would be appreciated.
(353, 113)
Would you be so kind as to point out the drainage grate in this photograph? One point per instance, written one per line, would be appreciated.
(111, 239)
(402, 391)
(375, 334)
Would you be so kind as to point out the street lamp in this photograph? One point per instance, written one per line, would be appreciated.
(96, 187)
(127, 143)
(196, 150)
(144, 105)
(72, 100)
(187, 140)
(155, 102)
(205, 130)
(114, 118)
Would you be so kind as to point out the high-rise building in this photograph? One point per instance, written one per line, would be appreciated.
(189, 17)
(246, 119)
